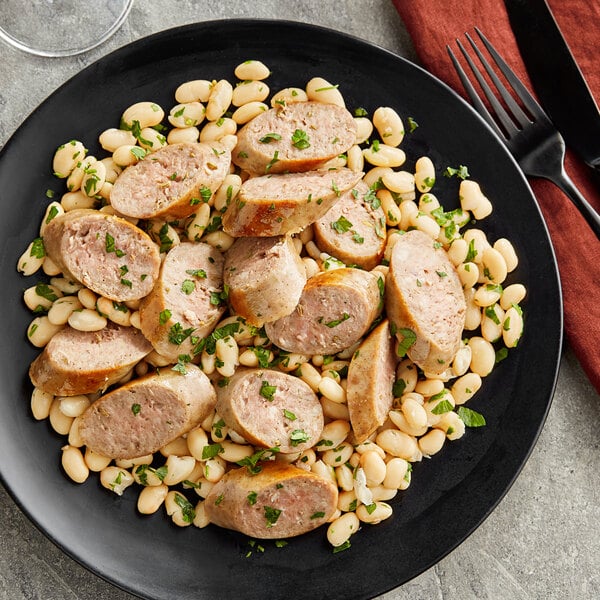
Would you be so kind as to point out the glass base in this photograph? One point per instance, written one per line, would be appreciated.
(60, 27)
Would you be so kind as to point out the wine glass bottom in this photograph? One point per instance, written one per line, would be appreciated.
(60, 27)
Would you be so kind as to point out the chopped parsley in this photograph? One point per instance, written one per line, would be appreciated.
(461, 172)
(177, 334)
(164, 316)
(337, 322)
(188, 286)
(136, 409)
(271, 515)
(269, 137)
(409, 337)
(37, 248)
(342, 225)
(300, 139)
(187, 509)
(470, 418)
(267, 391)
(298, 436)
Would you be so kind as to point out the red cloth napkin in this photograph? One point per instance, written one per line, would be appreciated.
(432, 25)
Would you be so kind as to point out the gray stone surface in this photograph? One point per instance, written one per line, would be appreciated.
(542, 541)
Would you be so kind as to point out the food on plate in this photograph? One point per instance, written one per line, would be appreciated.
(371, 376)
(172, 181)
(185, 304)
(265, 277)
(84, 362)
(271, 409)
(294, 137)
(317, 324)
(425, 301)
(278, 502)
(145, 414)
(335, 310)
(271, 205)
(353, 229)
(107, 254)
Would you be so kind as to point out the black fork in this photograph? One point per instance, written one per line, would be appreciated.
(532, 139)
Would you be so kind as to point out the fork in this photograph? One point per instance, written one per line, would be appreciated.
(534, 142)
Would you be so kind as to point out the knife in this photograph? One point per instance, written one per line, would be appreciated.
(556, 77)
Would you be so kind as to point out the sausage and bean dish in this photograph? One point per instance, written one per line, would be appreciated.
(256, 314)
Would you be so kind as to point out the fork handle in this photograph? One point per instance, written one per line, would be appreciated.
(564, 182)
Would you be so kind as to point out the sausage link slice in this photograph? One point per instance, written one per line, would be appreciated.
(371, 375)
(353, 230)
(171, 181)
(142, 416)
(83, 362)
(279, 502)
(105, 253)
(271, 409)
(335, 310)
(298, 137)
(265, 277)
(425, 302)
(185, 304)
(277, 204)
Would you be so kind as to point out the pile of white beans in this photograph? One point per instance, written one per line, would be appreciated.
(423, 416)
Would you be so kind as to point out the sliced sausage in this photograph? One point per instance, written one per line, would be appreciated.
(425, 302)
(171, 181)
(335, 310)
(279, 502)
(371, 375)
(293, 138)
(143, 415)
(278, 204)
(186, 302)
(271, 409)
(83, 362)
(353, 230)
(265, 278)
(107, 254)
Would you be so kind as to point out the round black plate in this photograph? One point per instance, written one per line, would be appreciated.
(450, 494)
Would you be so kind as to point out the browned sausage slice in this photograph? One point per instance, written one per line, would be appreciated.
(353, 230)
(298, 137)
(371, 377)
(143, 415)
(425, 302)
(265, 278)
(171, 181)
(335, 310)
(185, 304)
(271, 409)
(279, 502)
(83, 362)
(278, 204)
(107, 254)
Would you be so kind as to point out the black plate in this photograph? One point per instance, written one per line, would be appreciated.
(450, 494)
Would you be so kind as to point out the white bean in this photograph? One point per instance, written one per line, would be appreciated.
(381, 512)
(338, 455)
(220, 240)
(217, 130)
(381, 155)
(183, 135)
(468, 273)
(512, 327)
(513, 294)
(494, 266)
(398, 443)
(32, 259)
(96, 462)
(406, 371)
(333, 434)
(424, 174)
(128, 154)
(111, 139)
(40, 404)
(152, 140)
(179, 468)
(117, 312)
(249, 90)
(473, 199)
(53, 210)
(228, 353)
(396, 469)
(74, 465)
(87, 320)
(151, 498)
(288, 96)
(76, 200)
(389, 125)
(364, 129)
(432, 442)
(147, 114)
(73, 406)
(320, 90)
(187, 114)
(219, 100)
(508, 252)
(116, 479)
(248, 111)
(196, 90)
(484, 356)
(340, 530)
(374, 467)
(66, 158)
(252, 69)
(41, 330)
(491, 323)
(332, 390)
(414, 413)
(465, 387)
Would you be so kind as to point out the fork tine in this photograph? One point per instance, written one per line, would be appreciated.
(528, 100)
(472, 93)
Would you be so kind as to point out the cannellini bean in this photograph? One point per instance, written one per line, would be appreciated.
(32, 259)
(111, 139)
(323, 470)
(407, 372)
(428, 203)
(334, 410)
(473, 312)
(96, 462)
(374, 467)
(40, 404)
(333, 434)
(227, 356)
(41, 330)
(424, 174)
(513, 294)
(252, 69)
(340, 530)
(76, 200)
(473, 199)
(461, 360)
(491, 323)
(512, 327)
(390, 208)
(41, 296)
(398, 444)
(494, 266)
(247, 112)
(409, 212)
(152, 140)
(345, 477)
(332, 390)
(66, 158)
(53, 210)
(288, 96)
(381, 493)
(201, 519)
(396, 469)
(74, 465)
(62, 308)
(364, 129)
(429, 387)
(117, 312)
(293, 361)
(115, 479)
(127, 155)
(347, 500)
(452, 425)
(198, 223)
(176, 447)
(484, 356)
(197, 90)
(478, 242)
(368, 514)
(219, 240)
(458, 250)
(310, 375)
(87, 298)
(147, 114)
(76, 177)
(128, 463)
(432, 442)
(188, 114)
(73, 406)
(179, 468)
(197, 440)
(74, 436)
(86, 320)
(355, 159)
(214, 469)
(389, 125)
(233, 452)
(219, 100)
(217, 130)
(468, 273)
(465, 387)
(320, 90)
(249, 90)
(182, 135)
(381, 155)
(423, 222)
(151, 498)
(508, 252)
(112, 169)
(414, 413)
(399, 420)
